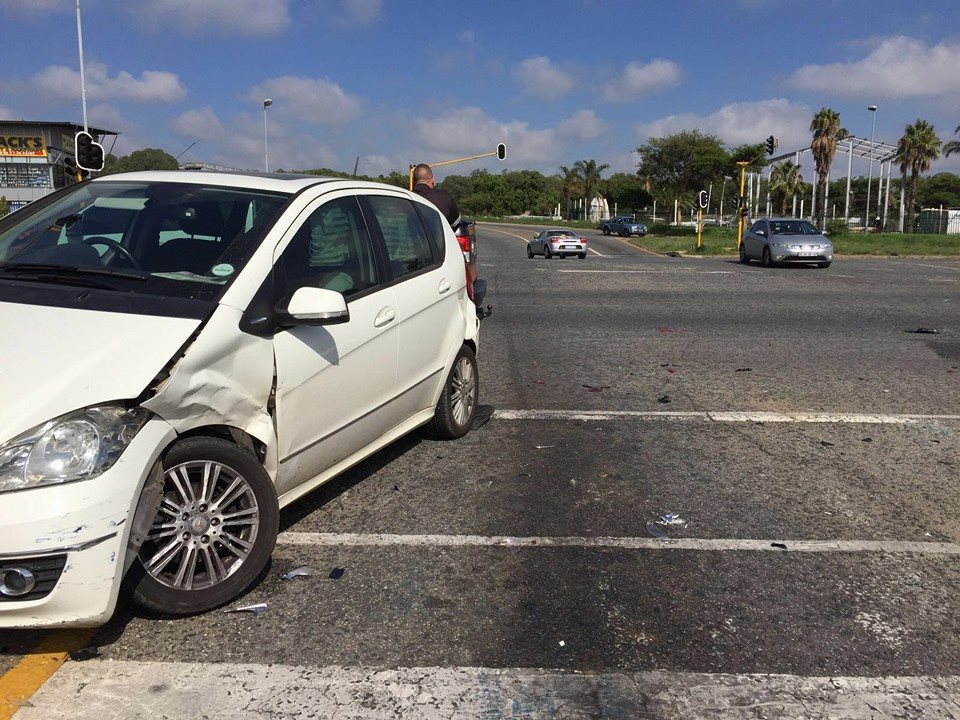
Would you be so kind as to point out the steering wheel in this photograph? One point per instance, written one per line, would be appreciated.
(115, 246)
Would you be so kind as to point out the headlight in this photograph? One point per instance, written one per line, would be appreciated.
(75, 446)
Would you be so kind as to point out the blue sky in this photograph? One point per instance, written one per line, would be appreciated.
(397, 82)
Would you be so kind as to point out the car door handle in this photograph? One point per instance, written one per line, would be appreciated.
(385, 317)
(444, 286)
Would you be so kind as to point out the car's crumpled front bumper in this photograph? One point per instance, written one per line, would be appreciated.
(82, 527)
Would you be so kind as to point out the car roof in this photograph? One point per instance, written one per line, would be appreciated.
(276, 182)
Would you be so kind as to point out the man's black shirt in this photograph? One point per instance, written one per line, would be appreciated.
(442, 199)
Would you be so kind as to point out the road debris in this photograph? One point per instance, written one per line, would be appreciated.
(663, 399)
(778, 545)
(672, 519)
(85, 653)
(924, 331)
(826, 443)
(744, 370)
(562, 643)
(255, 609)
(543, 447)
(656, 531)
(866, 439)
(538, 382)
(302, 571)
(336, 573)
(596, 388)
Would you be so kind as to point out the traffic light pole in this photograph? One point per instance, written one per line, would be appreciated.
(83, 84)
(743, 172)
(500, 153)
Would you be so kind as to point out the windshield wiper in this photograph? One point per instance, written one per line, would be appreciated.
(69, 270)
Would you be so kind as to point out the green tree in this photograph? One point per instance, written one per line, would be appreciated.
(679, 165)
(4, 206)
(940, 189)
(785, 182)
(953, 146)
(916, 150)
(571, 184)
(826, 130)
(625, 191)
(590, 176)
(146, 159)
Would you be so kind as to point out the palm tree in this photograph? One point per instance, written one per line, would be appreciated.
(953, 146)
(785, 180)
(589, 173)
(918, 147)
(826, 130)
(571, 185)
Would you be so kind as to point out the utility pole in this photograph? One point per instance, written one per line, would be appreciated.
(83, 83)
(740, 210)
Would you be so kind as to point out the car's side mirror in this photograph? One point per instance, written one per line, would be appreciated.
(314, 306)
(761, 233)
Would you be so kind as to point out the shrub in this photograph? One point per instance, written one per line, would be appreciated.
(837, 227)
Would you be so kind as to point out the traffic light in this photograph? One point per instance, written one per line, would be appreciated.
(89, 153)
(772, 143)
(501, 151)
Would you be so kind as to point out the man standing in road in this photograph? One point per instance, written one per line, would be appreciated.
(425, 186)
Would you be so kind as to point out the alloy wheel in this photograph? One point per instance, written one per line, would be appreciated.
(464, 391)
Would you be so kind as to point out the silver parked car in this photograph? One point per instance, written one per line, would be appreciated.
(785, 240)
(624, 227)
(558, 241)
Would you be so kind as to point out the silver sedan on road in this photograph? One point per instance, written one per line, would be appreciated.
(785, 240)
(558, 241)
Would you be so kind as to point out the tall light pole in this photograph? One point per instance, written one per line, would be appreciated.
(83, 84)
(873, 127)
(266, 162)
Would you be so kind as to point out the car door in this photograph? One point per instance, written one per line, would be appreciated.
(537, 243)
(427, 282)
(751, 241)
(334, 383)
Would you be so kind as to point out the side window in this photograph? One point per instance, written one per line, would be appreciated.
(435, 223)
(331, 250)
(756, 226)
(408, 249)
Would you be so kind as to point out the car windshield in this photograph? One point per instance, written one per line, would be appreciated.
(176, 239)
(792, 227)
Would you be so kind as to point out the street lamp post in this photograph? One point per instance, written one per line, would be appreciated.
(266, 162)
(873, 127)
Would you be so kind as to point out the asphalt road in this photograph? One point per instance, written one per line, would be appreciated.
(806, 436)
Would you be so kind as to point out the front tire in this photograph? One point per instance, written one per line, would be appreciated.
(529, 251)
(744, 258)
(214, 532)
(625, 233)
(458, 401)
(767, 260)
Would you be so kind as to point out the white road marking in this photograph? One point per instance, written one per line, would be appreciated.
(98, 689)
(622, 543)
(721, 416)
(615, 272)
(938, 267)
(595, 252)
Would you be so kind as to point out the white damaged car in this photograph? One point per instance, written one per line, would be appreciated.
(184, 353)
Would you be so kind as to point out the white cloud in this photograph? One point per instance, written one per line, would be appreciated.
(470, 130)
(542, 79)
(216, 17)
(36, 6)
(202, 124)
(638, 79)
(63, 83)
(242, 146)
(744, 122)
(6, 113)
(898, 67)
(582, 125)
(358, 12)
(317, 101)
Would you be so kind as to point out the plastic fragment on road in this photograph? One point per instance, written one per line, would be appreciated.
(924, 331)
(656, 531)
(85, 653)
(543, 447)
(336, 573)
(744, 370)
(255, 609)
(826, 443)
(302, 571)
(778, 545)
(664, 399)
(596, 388)
(562, 643)
(672, 519)
(538, 382)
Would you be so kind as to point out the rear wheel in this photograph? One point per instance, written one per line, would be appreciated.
(458, 401)
(767, 260)
(744, 258)
(529, 251)
(214, 532)
(546, 252)
(582, 256)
